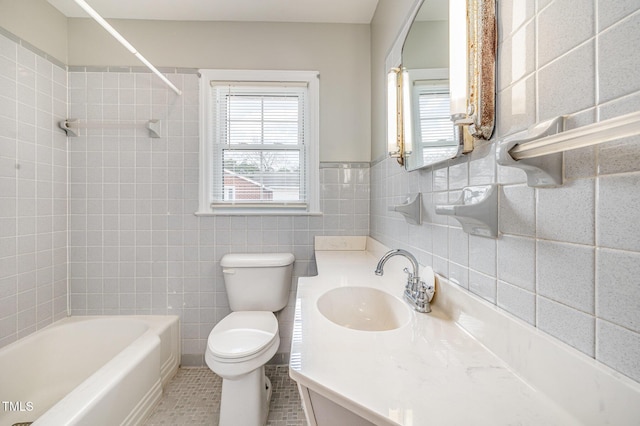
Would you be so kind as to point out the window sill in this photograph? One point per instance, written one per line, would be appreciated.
(258, 213)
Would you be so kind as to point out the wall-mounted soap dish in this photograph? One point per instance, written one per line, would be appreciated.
(476, 210)
(411, 209)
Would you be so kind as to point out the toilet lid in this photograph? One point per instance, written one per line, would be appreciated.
(242, 334)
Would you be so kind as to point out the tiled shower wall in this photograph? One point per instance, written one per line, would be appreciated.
(33, 190)
(567, 259)
(135, 245)
(122, 204)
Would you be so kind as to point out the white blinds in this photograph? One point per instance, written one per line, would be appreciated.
(259, 147)
(434, 117)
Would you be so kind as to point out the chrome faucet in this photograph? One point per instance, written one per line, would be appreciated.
(416, 292)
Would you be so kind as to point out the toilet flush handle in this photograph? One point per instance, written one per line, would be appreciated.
(229, 271)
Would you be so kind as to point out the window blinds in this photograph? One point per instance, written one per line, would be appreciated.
(259, 145)
(434, 117)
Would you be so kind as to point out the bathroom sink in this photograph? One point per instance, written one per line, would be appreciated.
(363, 308)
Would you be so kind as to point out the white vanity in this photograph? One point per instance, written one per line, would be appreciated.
(362, 356)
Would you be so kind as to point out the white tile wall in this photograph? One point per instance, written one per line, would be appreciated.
(33, 191)
(564, 273)
(566, 259)
(617, 291)
(135, 245)
(615, 63)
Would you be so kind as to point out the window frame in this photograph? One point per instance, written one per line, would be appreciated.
(207, 140)
(429, 88)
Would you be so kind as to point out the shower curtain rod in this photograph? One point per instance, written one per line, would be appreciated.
(100, 20)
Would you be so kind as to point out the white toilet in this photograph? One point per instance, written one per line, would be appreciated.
(240, 345)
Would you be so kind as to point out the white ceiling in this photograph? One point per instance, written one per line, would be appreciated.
(335, 11)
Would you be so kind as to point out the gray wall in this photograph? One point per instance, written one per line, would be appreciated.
(340, 52)
(427, 45)
(567, 260)
(42, 26)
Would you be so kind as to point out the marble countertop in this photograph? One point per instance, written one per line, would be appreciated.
(429, 371)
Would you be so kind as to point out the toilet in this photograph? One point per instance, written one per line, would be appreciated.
(239, 346)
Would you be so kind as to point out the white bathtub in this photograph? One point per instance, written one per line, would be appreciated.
(92, 370)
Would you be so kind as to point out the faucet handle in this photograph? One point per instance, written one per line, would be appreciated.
(411, 275)
(411, 279)
(428, 290)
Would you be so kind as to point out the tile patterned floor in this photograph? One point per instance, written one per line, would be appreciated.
(192, 397)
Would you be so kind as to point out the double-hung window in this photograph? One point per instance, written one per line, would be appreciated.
(259, 142)
(434, 112)
(432, 126)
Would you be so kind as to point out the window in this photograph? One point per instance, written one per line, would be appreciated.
(434, 125)
(433, 129)
(434, 116)
(259, 142)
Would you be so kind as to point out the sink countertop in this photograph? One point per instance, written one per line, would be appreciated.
(430, 371)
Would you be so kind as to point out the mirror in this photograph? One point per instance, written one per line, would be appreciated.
(425, 60)
(445, 81)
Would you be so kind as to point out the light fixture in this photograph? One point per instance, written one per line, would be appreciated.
(458, 66)
(407, 114)
(394, 115)
(100, 20)
(461, 113)
(399, 118)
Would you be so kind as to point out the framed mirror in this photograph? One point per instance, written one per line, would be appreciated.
(425, 62)
(443, 70)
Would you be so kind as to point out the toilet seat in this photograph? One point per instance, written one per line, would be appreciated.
(234, 344)
(242, 335)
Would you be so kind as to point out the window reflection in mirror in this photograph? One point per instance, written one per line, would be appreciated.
(431, 118)
(425, 56)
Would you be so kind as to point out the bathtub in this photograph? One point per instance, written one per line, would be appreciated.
(93, 370)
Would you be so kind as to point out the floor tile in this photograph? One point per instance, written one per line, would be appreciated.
(192, 397)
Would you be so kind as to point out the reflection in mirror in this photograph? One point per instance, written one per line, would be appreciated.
(425, 58)
(432, 128)
(470, 44)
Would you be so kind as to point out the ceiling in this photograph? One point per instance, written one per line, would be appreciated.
(325, 11)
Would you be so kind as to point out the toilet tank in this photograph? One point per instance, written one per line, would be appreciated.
(257, 281)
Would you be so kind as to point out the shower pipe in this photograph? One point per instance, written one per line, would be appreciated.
(100, 20)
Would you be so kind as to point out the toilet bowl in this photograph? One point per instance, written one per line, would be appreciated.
(237, 349)
(241, 344)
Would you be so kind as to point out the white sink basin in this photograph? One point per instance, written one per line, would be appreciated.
(363, 308)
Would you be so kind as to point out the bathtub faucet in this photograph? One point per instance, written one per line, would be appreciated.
(416, 292)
